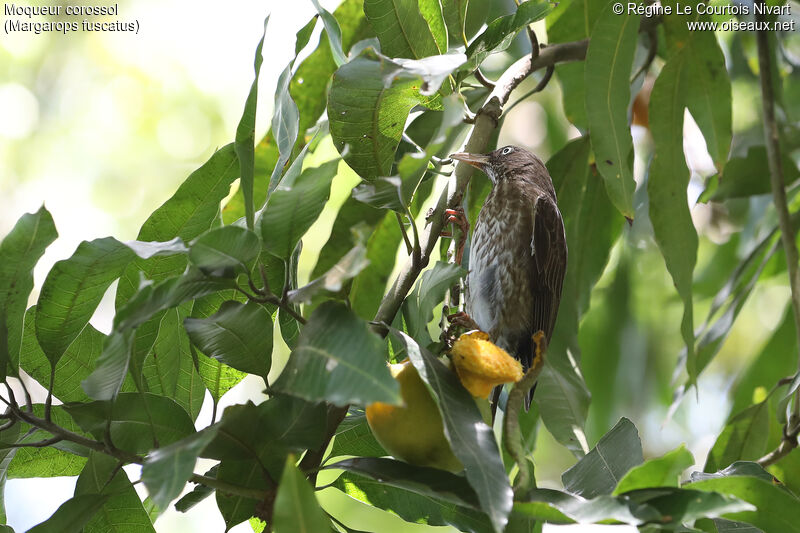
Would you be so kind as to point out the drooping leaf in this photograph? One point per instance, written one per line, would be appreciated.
(412, 507)
(609, 59)
(228, 247)
(72, 515)
(285, 125)
(246, 137)
(666, 187)
(433, 71)
(73, 289)
(73, 367)
(470, 438)
(296, 507)
(367, 112)
(198, 494)
(664, 471)
(429, 291)
(573, 21)
(111, 367)
(605, 465)
(338, 359)
(239, 335)
(186, 214)
(138, 420)
(403, 30)
(563, 398)
(291, 211)
(431, 482)
(167, 469)
(499, 34)
(20, 250)
(247, 473)
(455, 17)
(334, 34)
(122, 510)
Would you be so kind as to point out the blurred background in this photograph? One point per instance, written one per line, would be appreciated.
(102, 127)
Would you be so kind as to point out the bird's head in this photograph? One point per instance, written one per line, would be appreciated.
(503, 163)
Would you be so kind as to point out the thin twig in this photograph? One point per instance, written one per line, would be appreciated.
(409, 246)
(539, 87)
(38, 444)
(483, 80)
(777, 182)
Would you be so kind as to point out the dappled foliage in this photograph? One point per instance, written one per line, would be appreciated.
(210, 289)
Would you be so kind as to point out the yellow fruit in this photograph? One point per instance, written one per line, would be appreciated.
(482, 365)
(412, 432)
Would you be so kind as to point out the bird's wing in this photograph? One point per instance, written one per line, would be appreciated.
(550, 257)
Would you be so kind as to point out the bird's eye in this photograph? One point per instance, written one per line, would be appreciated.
(507, 150)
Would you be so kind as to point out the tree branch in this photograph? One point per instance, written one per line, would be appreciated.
(772, 141)
(486, 120)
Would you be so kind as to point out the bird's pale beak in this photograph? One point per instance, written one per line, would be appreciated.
(476, 160)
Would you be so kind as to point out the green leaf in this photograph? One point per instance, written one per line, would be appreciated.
(243, 473)
(246, 136)
(166, 470)
(334, 34)
(367, 112)
(138, 421)
(169, 368)
(499, 34)
(604, 466)
(455, 17)
(309, 85)
(662, 471)
(666, 187)
(189, 212)
(73, 367)
(410, 506)
(228, 247)
(433, 71)
(708, 96)
(339, 360)
(333, 281)
(560, 507)
(563, 398)
(280, 424)
(20, 250)
(403, 29)
(739, 468)
(608, 69)
(111, 367)
(72, 515)
(122, 511)
(744, 438)
(61, 459)
(382, 193)
(239, 335)
(573, 21)
(736, 180)
(285, 124)
(775, 508)
(470, 438)
(296, 507)
(73, 289)
(431, 482)
(198, 494)
(427, 294)
(153, 298)
(354, 437)
(291, 211)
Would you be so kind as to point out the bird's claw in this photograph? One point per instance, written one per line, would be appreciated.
(458, 218)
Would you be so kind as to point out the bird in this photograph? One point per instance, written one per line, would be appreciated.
(518, 255)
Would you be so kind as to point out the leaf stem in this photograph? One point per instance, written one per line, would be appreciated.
(772, 141)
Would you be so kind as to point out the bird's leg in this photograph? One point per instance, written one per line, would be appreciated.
(459, 320)
(458, 218)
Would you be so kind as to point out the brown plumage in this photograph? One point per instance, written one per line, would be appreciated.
(518, 255)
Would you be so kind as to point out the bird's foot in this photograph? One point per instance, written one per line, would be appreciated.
(461, 320)
(458, 218)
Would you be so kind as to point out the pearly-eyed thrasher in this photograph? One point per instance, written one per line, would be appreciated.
(518, 255)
